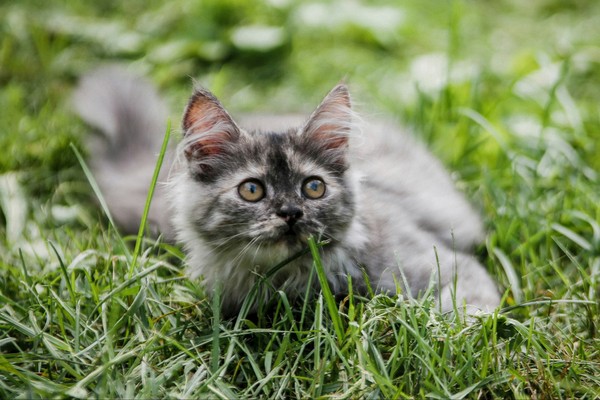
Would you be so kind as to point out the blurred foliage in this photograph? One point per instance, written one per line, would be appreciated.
(284, 54)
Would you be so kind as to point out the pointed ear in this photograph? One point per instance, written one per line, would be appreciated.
(208, 128)
(328, 128)
(330, 125)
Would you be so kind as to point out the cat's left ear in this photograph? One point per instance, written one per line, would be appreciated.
(330, 125)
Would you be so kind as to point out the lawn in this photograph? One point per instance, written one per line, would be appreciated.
(506, 93)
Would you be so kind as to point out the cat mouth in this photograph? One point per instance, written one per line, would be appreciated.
(285, 235)
(290, 232)
(291, 236)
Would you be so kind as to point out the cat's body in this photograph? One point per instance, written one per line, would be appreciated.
(245, 197)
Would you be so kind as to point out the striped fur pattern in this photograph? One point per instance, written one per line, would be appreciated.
(383, 202)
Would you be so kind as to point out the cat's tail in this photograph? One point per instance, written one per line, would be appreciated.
(131, 119)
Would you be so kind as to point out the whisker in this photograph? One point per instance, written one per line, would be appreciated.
(238, 258)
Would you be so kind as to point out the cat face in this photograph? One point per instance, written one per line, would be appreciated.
(260, 195)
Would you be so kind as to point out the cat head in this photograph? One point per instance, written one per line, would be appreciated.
(261, 194)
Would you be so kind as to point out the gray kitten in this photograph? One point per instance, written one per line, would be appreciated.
(243, 197)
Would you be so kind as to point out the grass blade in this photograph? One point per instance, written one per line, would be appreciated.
(98, 193)
(329, 298)
(157, 167)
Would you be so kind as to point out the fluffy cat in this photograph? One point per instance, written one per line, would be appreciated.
(242, 197)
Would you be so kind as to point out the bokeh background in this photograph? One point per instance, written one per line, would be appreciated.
(504, 58)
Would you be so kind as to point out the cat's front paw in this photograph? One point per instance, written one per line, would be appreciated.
(473, 290)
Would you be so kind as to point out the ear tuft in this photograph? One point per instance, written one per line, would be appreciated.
(331, 123)
(208, 128)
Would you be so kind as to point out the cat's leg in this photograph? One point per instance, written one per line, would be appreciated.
(420, 260)
(463, 281)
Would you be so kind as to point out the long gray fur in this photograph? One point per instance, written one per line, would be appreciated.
(389, 207)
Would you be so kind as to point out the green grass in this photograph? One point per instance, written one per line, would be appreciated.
(504, 92)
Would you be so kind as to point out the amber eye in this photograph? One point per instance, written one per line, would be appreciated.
(251, 190)
(313, 188)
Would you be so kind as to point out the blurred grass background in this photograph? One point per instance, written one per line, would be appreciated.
(506, 58)
(505, 92)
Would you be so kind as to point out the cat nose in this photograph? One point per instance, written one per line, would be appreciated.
(290, 213)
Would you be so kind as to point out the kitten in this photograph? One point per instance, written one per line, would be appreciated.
(242, 198)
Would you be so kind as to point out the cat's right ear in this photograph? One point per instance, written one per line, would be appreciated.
(329, 127)
(208, 129)
(332, 122)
